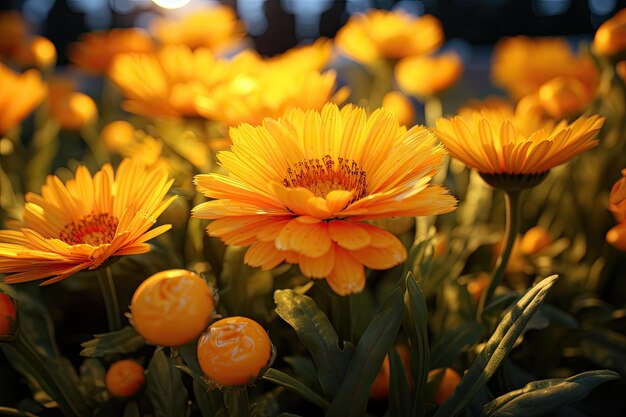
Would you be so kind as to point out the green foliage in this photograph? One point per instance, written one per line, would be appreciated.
(165, 387)
(126, 340)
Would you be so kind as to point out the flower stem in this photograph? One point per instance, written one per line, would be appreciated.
(433, 109)
(107, 286)
(512, 204)
(381, 84)
(236, 401)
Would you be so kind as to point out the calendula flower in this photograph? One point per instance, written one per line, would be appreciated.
(617, 205)
(19, 95)
(172, 307)
(124, 378)
(13, 33)
(388, 34)
(71, 109)
(564, 97)
(424, 76)
(216, 28)
(610, 38)
(234, 350)
(401, 105)
(85, 222)
(95, 51)
(304, 58)
(521, 65)
(301, 188)
(517, 147)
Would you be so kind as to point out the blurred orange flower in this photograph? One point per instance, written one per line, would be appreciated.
(216, 28)
(13, 33)
(85, 222)
(19, 95)
(70, 108)
(610, 37)
(388, 34)
(495, 142)
(521, 65)
(300, 189)
(424, 76)
(95, 51)
(401, 105)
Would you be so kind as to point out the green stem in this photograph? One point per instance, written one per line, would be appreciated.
(433, 109)
(107, 286)
(512, 203)
(381, 84)
(236, 400)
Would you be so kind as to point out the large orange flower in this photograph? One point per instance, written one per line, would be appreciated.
(301, 188)
(19, 95)
(496, 142)
(383, 34)
(85, 222)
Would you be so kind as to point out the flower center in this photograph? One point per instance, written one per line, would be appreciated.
(93, 229)
(322, 176)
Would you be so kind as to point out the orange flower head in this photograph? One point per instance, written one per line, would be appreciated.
(617, 199)
(301, 188)
(534, 241)
(616, 236)
(124, 378)
(85, 222)
(19, 95)
(95, 51)
(515, 151)
(401, 105)
(8, 317)
(448, 383)
(234, 350)
(388, 34)
(521, 65)
(564, 97)
(610, 38)
(172, 307)
(38, 52)
(13, 33)
(216, 28)
(71, 109)
(424, 76)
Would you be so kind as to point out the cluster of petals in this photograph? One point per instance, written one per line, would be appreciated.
(300, 189)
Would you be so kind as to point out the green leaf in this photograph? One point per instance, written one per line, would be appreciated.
(293, 385)
(236, 400)
(353, 394)
(6, 411)
(92, 375)
(451, 344)
(126, 340)
(416, 327)
(165, 387)
(317, 334)
(541, 397)
(304, 370)
(496, 348)
(132, 410)
(209, 401)
(605, 347)
(399, 394)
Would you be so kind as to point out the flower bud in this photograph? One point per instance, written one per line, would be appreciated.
(534, 241)
(8, 317)
(424, 76)
(124, 378)
(234, 350)
(617, 237)
(400, 105)
(617, 199)
(38, 52)
(610, 37)
(172, 307)
(380, 386)
(563, 97)
(118, 135)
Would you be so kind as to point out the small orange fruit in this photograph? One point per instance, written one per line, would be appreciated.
(124, 378)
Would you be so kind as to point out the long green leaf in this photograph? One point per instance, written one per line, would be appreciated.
(451, 344)
(352, 397)
(293, 385)
(497, 348)
(209, 401)
(416, 327)
(165, 387)
(236, 400)
(399, 395)
(6, 411)
(541, 397)
(317, 334)
(125, 340)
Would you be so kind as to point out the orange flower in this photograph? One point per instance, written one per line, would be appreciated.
(383, 34)
(19, 95)
(172, 307)
(234, 351)
(521, 65)
(124, 378)
(71, 109)
(610, 37)
(38, 52)
(216, 28)
(564, 97)
(300, 189)
(617, 204)
(85, 222)
(95, 51)
(13, 33)
(424, 76)
(8, 317)
(497, 143)
(620, 69)
(401, 105)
